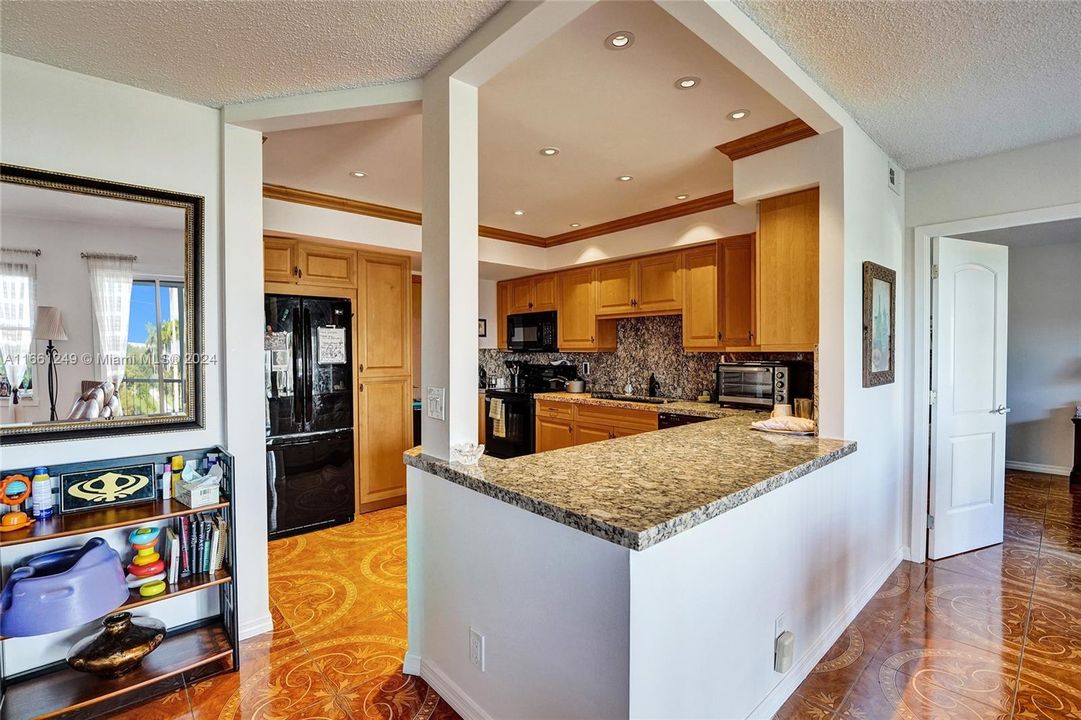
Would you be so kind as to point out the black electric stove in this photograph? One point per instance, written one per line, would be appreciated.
(519, 407)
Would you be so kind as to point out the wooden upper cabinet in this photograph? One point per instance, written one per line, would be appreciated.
(326, 265)
(502, 307)
(700, 305)
(520, 295)
(384, 316)
(615, 288)
(544, 293)
(531, 294)
(736, 291)
(659, 284)
(647, 286)
(787, 272)
(577, 321)
(279, 260)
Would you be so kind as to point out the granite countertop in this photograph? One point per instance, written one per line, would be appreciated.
(681, 407)
(640, 490)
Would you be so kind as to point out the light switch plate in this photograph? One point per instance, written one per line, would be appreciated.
(437, 403)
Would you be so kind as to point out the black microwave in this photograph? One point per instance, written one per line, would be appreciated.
(532, 332)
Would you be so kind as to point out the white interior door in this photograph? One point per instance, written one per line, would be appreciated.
(968, 416)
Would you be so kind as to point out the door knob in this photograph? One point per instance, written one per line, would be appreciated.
(1000, 410)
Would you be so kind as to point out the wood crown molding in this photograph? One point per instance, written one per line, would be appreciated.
(709, 202)
(386, 212)
(771, 137)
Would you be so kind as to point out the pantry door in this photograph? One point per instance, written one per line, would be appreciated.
(968, 412)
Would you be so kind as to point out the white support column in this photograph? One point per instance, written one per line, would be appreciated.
(242, 351)
(449, 247)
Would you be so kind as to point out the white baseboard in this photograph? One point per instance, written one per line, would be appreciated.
(411, 664)
(1037, 467)
(784, 689)
(449, 691)
(256, 626)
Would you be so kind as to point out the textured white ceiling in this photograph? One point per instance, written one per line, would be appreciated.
(217, 52)
(939, 80)
(609, 112)
(1049, 233)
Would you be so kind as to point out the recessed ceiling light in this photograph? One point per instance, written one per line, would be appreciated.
(576, 224)
(738, 114)
(682, 196)
(358, 173)
(686, 83)
(625, 178)
(619, 40)
(549, 151)
(519, 212)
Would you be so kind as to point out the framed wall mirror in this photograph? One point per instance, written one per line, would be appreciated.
(101, 308)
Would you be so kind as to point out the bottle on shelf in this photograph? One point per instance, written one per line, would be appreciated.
(42, 493)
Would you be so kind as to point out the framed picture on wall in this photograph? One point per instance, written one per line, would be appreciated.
(879, 324)
(482, 327)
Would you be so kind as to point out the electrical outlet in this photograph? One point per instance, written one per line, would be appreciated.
(436, 403)
(476, 649)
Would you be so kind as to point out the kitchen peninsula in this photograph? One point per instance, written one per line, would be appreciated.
(633, 575)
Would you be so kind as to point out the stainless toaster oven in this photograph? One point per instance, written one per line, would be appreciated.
(753, 384)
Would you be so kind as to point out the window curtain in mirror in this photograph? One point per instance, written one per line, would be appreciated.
(17, 303)
(110, 294)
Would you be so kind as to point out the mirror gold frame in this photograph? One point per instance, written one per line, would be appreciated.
(193, 393)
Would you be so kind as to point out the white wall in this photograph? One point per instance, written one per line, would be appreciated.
(552, 603)
(66, 122)
(1036, 176)
(1043, 381)
(700, 600)
(487, 309)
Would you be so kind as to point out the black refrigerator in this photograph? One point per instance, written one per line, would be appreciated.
(308, 372)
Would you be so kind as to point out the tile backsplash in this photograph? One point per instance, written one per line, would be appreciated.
(644, 345)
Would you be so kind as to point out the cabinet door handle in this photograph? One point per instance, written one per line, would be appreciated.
(360, 368)
(611, 434)
(591, 339)
(720, 336)
(570, 429)
(361, 387)
(300, 273)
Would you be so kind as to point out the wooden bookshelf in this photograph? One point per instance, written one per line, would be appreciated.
(105, 519)
(206, 647)
(67, 691)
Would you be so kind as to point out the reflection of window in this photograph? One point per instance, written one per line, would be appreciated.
(16, 327)
(154, 370)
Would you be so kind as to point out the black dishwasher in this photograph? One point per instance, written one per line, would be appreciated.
(671, 420)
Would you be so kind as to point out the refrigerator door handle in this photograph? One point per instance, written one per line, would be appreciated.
(298, 370)
(309, 413)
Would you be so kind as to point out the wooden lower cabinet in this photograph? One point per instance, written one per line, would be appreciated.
(481, 431)
(384, 428)
(563, 424)
(587, 432)
(554, 433)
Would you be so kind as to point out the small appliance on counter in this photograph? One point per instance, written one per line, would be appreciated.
(516, 407)
(762, 384)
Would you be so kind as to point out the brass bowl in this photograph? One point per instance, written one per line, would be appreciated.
(119, 647)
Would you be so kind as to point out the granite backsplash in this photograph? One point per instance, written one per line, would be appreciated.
(644, 345)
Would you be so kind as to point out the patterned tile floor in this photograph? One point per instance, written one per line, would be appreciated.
(339, 608)
(992, 634)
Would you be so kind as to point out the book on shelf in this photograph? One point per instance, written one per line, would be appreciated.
(172, 553)
(184, 527)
